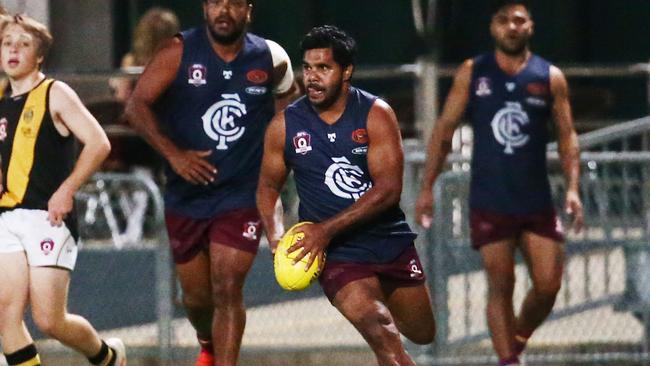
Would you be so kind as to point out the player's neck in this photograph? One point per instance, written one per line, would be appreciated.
(25, 83)
(332, 113)
(227, 52)
(512, 64)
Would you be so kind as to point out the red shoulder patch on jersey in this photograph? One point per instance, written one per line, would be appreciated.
(538, 89)
(257, 76)
(360, 136)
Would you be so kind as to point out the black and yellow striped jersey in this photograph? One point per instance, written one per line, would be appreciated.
(36, 158)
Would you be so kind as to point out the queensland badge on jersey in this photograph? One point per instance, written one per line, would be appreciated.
(197, 75)
(220, 120)
(302, 142)
(483, 87)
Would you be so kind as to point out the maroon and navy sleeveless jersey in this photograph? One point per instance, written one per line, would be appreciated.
(509, 115)
(223, 107)
(330, 168)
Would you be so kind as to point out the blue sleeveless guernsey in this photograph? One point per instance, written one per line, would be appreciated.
(223, 107)
(509, 116)
(330, 168)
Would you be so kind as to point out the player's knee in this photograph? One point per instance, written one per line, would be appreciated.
(547, 289)
(371, 319)
(422, 335)
(47, 323)
(226, 291)
(197, 298)
(501, 287)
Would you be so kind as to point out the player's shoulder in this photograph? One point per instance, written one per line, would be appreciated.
(60, 89)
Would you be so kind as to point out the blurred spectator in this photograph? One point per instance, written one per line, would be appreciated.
(156, 26)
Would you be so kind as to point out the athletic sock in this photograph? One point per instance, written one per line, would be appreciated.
(27, 356)
(512, 361)
(105, 356)
(206, 345)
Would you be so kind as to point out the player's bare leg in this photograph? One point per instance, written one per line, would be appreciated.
(194, 278)
(412, 311)
(499, 264)
(14, 292)
(545, 259)
(48, 298)
(362, 303)
(229, 269)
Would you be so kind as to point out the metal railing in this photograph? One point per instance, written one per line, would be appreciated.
(605, 266)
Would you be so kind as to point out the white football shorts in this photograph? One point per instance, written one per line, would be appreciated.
(45, 245)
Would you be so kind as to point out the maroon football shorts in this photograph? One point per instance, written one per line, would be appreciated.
(240, 229)
(488, 227)
(403, 271)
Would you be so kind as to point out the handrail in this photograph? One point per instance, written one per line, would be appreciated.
(403, 70)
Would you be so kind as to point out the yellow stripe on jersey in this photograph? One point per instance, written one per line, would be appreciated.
(35, 361)
(22, 151)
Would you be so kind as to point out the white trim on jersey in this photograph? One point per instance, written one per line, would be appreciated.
(280, 56)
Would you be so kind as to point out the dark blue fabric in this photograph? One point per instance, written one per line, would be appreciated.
(330, 168)
(509, 115)
(223, 107)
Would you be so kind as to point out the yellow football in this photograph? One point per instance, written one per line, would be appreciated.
(293, 277)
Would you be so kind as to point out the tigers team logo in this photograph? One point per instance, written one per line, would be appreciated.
(219, 121)
(507, 127)
(345, 179)
(47, 246)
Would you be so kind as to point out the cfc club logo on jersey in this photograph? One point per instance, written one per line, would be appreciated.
(251, 228)
(3, 129)
(219, 121)
(47, 246)
(197, 74)
(507, 126)
(345, 179)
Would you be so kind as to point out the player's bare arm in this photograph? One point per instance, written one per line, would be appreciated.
(273, 174)
(70, 116)
(440, 142)
(568, 146)
(385, 164)
(156, 78)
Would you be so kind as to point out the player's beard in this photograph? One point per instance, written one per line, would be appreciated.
(229, 38)
(515, 49)
(331, 96)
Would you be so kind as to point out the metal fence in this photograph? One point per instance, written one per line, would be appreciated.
(602, 310)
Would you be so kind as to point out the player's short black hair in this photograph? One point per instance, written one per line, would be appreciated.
(497, 5)
(343, 46)
(250, 2)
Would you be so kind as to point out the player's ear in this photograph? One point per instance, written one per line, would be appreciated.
(347, 73)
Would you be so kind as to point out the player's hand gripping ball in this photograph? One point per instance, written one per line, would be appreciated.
(293, 277)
